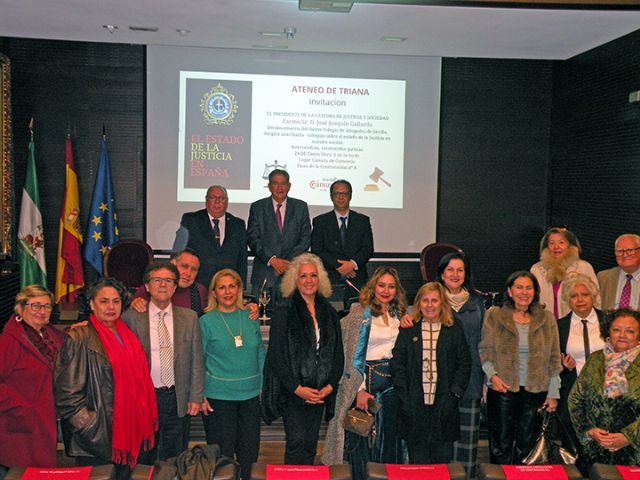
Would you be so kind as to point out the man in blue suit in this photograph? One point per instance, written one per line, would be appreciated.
(279, 229)
(343, 239)
(219, 238)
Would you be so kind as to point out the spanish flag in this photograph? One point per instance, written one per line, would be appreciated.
(69, 274)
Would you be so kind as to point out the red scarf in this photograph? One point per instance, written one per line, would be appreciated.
(135, 413)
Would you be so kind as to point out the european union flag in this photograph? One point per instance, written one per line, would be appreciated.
(102, 226)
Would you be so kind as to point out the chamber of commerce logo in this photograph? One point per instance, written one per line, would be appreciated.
(218, 106)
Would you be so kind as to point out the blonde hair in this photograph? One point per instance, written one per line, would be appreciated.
(288, 284)
(446, 318)
(572, 280)
(212, 301)
(28, 292)
(368, 297)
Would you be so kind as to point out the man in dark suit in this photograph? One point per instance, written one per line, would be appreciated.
(620, 286)
(343, 239)
(170, 337)
(279, 229)
(219, 238)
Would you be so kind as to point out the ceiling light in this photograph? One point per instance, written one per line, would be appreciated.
(134, 28)
(326, 5)
(271, 47)
(111, 28)
(290, 32)
(270, 34)
(183, 32)
(391, 38)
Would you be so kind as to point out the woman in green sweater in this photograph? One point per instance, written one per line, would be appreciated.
(234, 357)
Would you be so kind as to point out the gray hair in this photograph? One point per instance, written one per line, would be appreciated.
(574, 279)
(288, 284)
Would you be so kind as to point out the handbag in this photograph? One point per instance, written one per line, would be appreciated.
(548, 450)
(359, 422)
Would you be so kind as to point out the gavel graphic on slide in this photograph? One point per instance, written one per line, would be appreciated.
(377, 175)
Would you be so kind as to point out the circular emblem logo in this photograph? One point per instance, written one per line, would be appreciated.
(218, 106)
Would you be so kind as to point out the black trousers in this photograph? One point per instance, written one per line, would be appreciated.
(422, 447)
(172, 429)
(301, 428)
(514, 424)
(235, 426)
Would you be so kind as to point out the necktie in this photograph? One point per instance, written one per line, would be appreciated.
(585, 338)
(166, 352)
(343, 231)
(216, 231)
(279, 217)
(625, 296)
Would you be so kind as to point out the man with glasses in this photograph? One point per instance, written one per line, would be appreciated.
(217, 237)
(188, 294)
(342, 238)
(279, 230)
(170, 337)
(620, 286)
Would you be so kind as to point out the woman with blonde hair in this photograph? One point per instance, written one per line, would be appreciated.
(305, 359)
(28, 350)
(369, 333)
(430, 370)
(559, 255)
(234, 359)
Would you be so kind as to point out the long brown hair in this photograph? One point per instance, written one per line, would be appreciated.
(367, 294)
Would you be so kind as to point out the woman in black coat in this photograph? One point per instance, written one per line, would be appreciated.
(305, 358)
(430, 371)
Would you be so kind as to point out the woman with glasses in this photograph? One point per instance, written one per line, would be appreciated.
(28, 349)
(234, 359)
(369, 333)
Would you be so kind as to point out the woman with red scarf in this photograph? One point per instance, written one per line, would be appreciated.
(28, 349)
(103, 389)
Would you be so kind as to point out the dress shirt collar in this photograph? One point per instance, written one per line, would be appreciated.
(592, 318)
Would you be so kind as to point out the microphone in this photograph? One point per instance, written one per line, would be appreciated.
(348, 282)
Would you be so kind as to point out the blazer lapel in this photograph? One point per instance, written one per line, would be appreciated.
(178, 338)
(142, 327)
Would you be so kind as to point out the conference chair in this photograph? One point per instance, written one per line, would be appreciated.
(336, 472)
(378, 471)
(600, 471)
(127, 260)
(488, 471)
(430, 258)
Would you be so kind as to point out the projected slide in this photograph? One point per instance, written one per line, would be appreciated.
(236, 128)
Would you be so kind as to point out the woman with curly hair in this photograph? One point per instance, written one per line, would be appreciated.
(559, 255)
(369, 333)
(304, 361)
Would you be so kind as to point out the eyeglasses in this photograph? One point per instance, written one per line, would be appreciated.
(36, 307)
(216, 198)
(626, 251)
(159, 281)
(341, 194)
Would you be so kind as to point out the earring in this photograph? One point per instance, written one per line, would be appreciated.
(18, 317)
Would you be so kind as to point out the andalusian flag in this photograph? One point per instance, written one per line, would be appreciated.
(69, 274)
(30, 232)
(102, 226)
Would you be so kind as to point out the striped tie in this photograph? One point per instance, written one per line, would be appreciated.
(166, 352)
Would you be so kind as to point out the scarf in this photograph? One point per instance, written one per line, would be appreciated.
(457, 300)
(43, 343)
(556, 268)
(135, 413)
(615, 366)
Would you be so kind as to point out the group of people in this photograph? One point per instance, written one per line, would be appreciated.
(126, 383)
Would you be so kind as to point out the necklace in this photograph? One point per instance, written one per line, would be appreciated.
(237, 339)
(524, 317)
